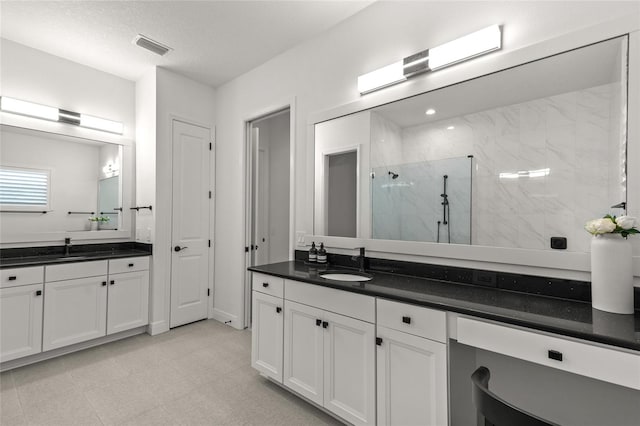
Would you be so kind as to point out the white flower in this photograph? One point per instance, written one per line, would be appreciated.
(626, 222)
(600, 226)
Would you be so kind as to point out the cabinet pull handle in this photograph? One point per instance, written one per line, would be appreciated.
(131, 265)
(278, 309)
(39, 293)
(112, 282)
(318, 322)
(406, 320)
(104, 283)
(555, 355)
(265, 285)
(379, 341)
(325, 324)
(12, 278)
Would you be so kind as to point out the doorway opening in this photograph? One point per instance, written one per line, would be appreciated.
(268, 194)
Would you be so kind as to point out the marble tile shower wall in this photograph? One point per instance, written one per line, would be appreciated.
(409, 207)
(568, 133)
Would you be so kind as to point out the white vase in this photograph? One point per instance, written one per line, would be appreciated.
(611, 274)
(94, 226)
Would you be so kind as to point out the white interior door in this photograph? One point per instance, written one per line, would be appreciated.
(190, 223)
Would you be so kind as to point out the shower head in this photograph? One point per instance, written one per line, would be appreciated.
(393, 175)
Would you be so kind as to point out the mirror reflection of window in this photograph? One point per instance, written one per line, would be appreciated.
(109, 201)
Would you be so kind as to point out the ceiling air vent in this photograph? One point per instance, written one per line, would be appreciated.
(151, 45)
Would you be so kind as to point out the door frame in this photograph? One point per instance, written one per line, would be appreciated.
(212, 181)
(256, 115)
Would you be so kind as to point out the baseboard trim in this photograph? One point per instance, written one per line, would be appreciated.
(227, 318)
(157, 327)
(21, 362)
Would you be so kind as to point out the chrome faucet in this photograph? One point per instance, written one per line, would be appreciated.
(360, 259)
(67, 246)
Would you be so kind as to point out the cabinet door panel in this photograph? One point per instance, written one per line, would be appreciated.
(349, 369)
(412, 375)
(20, 321)
(266, 335)
(128, 301)
(303, 342)
(74, 311)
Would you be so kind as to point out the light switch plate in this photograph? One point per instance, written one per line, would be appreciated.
(300, 238)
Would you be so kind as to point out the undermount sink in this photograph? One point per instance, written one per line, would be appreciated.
(345, 276)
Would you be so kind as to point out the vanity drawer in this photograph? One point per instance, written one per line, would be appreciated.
(609, 365)
(129, 264)
(342, 302)
(15, 277)
(268, 284)
(69, 271)
(417, 320)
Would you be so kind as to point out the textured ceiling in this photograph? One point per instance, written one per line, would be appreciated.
(213, 41)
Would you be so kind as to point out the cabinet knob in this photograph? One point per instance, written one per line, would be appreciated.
(104, 283)
(278, 309)
(265, 285)
(379, 341)
(318, 322)
(325, 324)
(131, 265)
(112, 282)
(555, 355)
(39, 293)
(12, 278)
(406, 320)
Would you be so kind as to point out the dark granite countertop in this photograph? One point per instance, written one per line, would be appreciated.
(50, 255)
(562, 316)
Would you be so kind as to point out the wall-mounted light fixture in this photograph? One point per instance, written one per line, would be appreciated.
(30, 109)
(475, 44)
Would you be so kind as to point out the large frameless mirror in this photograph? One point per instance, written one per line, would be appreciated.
(510, 159)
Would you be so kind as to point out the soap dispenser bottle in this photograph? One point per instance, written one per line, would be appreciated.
(322, 254)
(313, 253)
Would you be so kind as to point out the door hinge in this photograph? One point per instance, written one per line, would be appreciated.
(210, 145)
(209, 243)
(246, 249)
(209, 194)
(208, 292)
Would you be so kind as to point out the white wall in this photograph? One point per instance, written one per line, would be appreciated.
(35, 76)
(322, 73)
(177, 97)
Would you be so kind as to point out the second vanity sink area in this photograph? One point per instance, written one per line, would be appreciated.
(18, 257)
(431, 325)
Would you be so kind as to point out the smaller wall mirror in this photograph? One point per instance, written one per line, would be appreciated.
(85, 184)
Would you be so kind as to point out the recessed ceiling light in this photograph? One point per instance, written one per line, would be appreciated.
(430, 111)
(450, 128)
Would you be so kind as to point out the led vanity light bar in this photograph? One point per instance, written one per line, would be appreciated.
(464, 48)
(30, 109)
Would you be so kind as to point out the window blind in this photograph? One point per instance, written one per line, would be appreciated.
(24, 188)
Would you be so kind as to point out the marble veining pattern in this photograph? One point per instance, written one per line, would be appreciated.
(575, 135)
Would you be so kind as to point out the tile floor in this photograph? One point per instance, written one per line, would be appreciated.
(198, 374)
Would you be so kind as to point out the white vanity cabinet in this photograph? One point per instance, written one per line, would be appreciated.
(411, 365)
(329, 350)
(87, 300)
(21, 299)
(75, 306)
(128, 294)
(267, 325)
